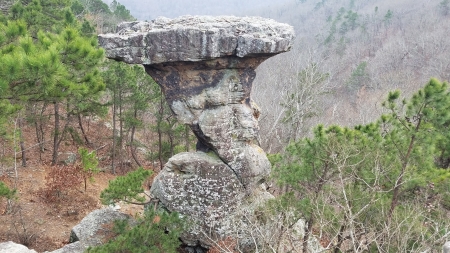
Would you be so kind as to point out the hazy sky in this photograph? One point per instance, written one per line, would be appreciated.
(150, 9)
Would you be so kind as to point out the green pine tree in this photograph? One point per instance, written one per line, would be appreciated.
(377, 179)
(156, 230)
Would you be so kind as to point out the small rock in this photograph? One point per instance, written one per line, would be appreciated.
(446, 247)
(91, 230)
(12, 247)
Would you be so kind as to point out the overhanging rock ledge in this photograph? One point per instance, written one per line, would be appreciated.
(205, 66)
(196, 38)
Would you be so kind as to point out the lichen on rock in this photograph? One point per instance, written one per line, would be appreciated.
(196, 38)
(205, 67)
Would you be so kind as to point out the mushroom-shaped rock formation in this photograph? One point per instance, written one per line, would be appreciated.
(205, 66)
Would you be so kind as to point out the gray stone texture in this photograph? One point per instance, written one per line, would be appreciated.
(196, 38)
(213, 98)
(200, 186)
(446, 247)
(75, 247)
(205, 67)
(95, 228)
(12, 247)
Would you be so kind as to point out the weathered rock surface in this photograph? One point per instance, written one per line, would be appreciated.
(95, 228)
(196, 38)
(446, 247)
(200, 186)
(12, 247)
(205, 67)
(213, 98)
(75, 247)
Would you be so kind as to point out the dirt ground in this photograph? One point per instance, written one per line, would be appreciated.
(33, 221)
(46, 226)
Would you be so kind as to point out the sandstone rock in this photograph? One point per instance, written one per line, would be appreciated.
(66, 158)
(196, 38)
(12, 247)
(96, 227)
(205, 67)
(75, 247)
(200, 186)
(446, 247)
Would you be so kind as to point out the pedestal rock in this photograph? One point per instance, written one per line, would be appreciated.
(205, 66)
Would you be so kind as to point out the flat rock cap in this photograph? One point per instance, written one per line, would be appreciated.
(196, 38)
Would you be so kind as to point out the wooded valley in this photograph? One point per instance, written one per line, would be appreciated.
(354, 119)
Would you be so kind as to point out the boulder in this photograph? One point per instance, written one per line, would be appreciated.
(66, 158)
(205, 67)
(199, 185)
(12, 247)
(96, 228)
(75, 247)
(93, 230)
(446, 247)
(196, 38)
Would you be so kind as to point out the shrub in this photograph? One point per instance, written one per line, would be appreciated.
(126, 188)
(9, 194)
(89, 163)
(155, 232)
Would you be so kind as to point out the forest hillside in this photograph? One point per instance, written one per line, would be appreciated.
(355, 119)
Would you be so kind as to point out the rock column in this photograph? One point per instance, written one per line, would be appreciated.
(205, 67)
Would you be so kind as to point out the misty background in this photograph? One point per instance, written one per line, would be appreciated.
(151, 9)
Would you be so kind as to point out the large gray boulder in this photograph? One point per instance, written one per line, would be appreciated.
(12, 247)
(205, 67)
(196, 38)
(95, 229)
(446, 247)
(202, 187)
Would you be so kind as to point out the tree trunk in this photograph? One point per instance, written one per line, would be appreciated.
(21, 143)
(40, 136)
(56, 134)
(80, 123)
(170, 135)
(120, 143)
(114, 134)
(399, 182)
(160, 117)
(340, 239)
(133, 149)
(307, 231)
(186, 137)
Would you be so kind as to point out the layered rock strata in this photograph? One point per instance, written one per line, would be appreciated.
(205, 67)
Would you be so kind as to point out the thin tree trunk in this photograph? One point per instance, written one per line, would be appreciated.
(340, 239)
(307, 231)
(114, 134)
(133, 149)
(40, 136)
(56, 135)
(80, 123)
(170, 135)
(399, 182)
(186, 136)
(120, 130)
(21, 143)
(161, 113)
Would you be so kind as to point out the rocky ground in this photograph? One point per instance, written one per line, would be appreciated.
(34, 221)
